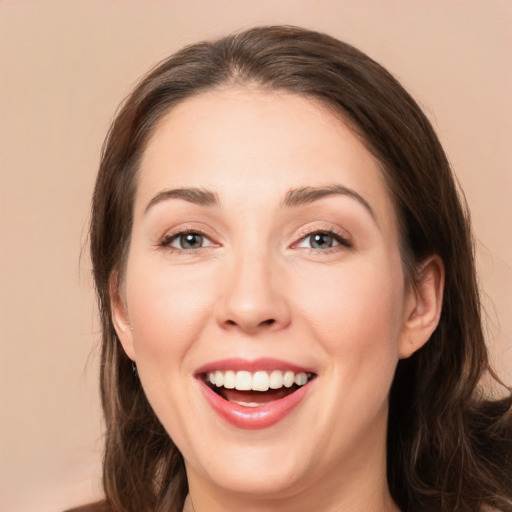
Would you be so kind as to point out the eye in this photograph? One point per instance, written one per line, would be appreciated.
(323, 240)
(187, 241)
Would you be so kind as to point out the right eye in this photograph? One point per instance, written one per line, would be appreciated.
(187, 241)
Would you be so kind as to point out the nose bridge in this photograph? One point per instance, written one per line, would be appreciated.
(251, 299)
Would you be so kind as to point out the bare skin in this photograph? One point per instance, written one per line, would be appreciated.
(242, 265)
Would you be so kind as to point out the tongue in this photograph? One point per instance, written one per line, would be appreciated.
(258, 397)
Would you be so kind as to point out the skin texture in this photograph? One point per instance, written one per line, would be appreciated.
(257, 288)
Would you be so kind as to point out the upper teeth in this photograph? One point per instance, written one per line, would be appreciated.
(257, 381)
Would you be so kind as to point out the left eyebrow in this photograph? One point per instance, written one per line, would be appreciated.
(306, 195)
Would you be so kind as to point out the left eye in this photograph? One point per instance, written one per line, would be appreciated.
(320, 240)
(188, 241)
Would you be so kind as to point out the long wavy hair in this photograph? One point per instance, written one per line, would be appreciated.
(449, 448)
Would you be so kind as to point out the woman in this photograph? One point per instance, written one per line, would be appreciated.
(287, 291)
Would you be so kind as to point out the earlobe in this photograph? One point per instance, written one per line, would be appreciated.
(120, 317)
(423, 308)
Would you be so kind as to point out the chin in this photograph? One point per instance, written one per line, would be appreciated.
(256, 471)
(257, 479)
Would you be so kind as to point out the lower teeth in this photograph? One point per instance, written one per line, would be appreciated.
(254, 398)
(246, 404)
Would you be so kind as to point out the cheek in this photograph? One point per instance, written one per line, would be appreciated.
(168, 309)
(356, 311)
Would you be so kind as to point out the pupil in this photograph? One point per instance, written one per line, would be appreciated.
(191, 241)
(321, 241)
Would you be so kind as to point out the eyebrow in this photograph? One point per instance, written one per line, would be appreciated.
(306, 195)
(294, 197)
(197, 196)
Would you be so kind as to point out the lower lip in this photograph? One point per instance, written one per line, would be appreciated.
(253, 418)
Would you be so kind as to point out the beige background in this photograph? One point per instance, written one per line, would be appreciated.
(65, 65)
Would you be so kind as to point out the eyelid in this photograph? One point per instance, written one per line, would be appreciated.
(172, 239)
(342, 238)
(170, 236)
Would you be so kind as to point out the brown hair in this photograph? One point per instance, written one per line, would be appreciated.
(449, 449)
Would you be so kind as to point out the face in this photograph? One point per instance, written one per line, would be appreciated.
(264, 300)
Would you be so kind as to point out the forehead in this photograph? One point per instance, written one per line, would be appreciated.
(240, 141)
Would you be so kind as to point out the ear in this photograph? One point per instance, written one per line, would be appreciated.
(120, 316)
(423, 307)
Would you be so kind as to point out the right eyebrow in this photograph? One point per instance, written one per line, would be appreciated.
(199, 196)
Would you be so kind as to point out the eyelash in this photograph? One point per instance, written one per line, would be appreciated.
(336, 235)
(169, 239)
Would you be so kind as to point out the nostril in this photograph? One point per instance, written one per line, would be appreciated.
(263, 323)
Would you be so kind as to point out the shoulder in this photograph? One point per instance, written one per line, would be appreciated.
(99, 506)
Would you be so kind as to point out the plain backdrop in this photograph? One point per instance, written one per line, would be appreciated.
(65, 66)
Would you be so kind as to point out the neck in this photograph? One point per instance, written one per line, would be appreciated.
(383, 504)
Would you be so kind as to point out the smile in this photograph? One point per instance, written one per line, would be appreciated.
(254, 399)
(258, 381)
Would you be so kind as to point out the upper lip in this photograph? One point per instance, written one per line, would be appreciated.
(252, 365)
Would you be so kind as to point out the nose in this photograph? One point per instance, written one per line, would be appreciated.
(253, 300)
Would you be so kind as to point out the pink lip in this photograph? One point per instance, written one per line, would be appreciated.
(252, 418)
(263, 364)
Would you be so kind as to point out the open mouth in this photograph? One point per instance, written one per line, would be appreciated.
(255, 389)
